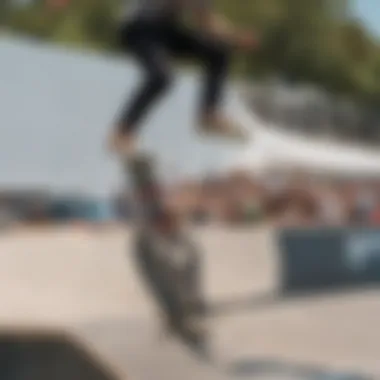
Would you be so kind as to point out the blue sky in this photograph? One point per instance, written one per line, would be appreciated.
(369, 11)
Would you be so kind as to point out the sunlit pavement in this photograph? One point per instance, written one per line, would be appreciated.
(83, 279)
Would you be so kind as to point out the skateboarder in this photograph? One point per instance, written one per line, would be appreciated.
(154, 32)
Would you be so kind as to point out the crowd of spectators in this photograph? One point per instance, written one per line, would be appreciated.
(292, 200)
(238, 198)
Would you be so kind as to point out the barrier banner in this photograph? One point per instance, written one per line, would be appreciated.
(325, 258)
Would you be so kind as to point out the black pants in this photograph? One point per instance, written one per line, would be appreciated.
(154, 44)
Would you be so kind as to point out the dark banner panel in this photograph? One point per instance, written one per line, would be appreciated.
(322, 259)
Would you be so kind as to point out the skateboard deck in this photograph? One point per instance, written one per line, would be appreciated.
(169, 267)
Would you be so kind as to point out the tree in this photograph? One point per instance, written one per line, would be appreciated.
(311, 41)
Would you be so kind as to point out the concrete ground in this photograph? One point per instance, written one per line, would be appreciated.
(84, 281)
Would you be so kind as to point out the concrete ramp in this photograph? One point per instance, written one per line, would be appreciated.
(137, 351)
(43, 355)
(86, 283)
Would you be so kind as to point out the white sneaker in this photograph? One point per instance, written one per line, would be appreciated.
(123, 146)
(221, 126)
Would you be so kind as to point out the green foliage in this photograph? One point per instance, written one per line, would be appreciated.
(304, 40)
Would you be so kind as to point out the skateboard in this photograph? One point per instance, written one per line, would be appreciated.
(167, 258)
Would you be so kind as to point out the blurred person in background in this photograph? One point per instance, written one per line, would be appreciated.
(364, 203)
(375, 215)
(155, 32)
(244, 194)
(332, 209)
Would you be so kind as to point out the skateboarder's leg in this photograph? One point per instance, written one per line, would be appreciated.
(150, 53)
(215, 56)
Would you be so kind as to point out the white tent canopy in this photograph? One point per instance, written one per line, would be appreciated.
(273, 148)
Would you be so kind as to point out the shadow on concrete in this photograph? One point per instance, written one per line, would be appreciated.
(48, 356)
(263, 368)
(266, 300)
(242, 303)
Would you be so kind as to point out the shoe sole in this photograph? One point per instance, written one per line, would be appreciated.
(224, 136)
